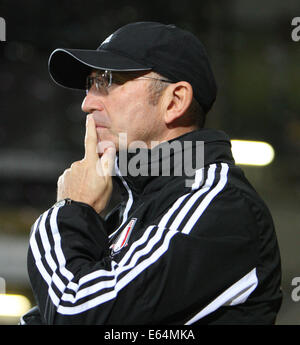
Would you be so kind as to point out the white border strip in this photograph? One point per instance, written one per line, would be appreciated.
(236, 294)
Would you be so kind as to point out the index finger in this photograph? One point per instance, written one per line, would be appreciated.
(90, 140)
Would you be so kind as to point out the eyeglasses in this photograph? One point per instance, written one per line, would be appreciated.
(104, 80)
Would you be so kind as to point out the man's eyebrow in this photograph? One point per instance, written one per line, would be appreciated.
(95, 72)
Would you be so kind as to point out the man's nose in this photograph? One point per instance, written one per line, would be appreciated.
(91, 102)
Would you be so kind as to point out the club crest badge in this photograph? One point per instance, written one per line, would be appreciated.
(123, 238)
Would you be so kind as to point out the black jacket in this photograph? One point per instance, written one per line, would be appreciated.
(172, 252)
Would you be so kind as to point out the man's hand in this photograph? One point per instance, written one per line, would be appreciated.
(89, 180)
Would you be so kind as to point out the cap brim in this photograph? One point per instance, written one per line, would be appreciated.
(70, 67)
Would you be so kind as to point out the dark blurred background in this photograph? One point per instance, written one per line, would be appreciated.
(257, 67)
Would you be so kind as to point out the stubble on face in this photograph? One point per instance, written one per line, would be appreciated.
(130, 108)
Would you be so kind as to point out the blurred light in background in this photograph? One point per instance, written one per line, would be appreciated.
(13, 305)
(252, 152)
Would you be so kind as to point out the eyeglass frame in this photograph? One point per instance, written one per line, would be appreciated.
(90, 81)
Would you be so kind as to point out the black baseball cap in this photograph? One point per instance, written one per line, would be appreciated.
(168, 50)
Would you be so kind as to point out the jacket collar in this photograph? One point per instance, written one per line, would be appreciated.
(148, 170)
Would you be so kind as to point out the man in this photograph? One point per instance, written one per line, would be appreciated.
(179, 248)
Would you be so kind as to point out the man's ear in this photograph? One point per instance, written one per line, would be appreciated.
(177, 99)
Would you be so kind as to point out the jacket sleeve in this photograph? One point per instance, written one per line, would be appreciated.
(167, 276)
